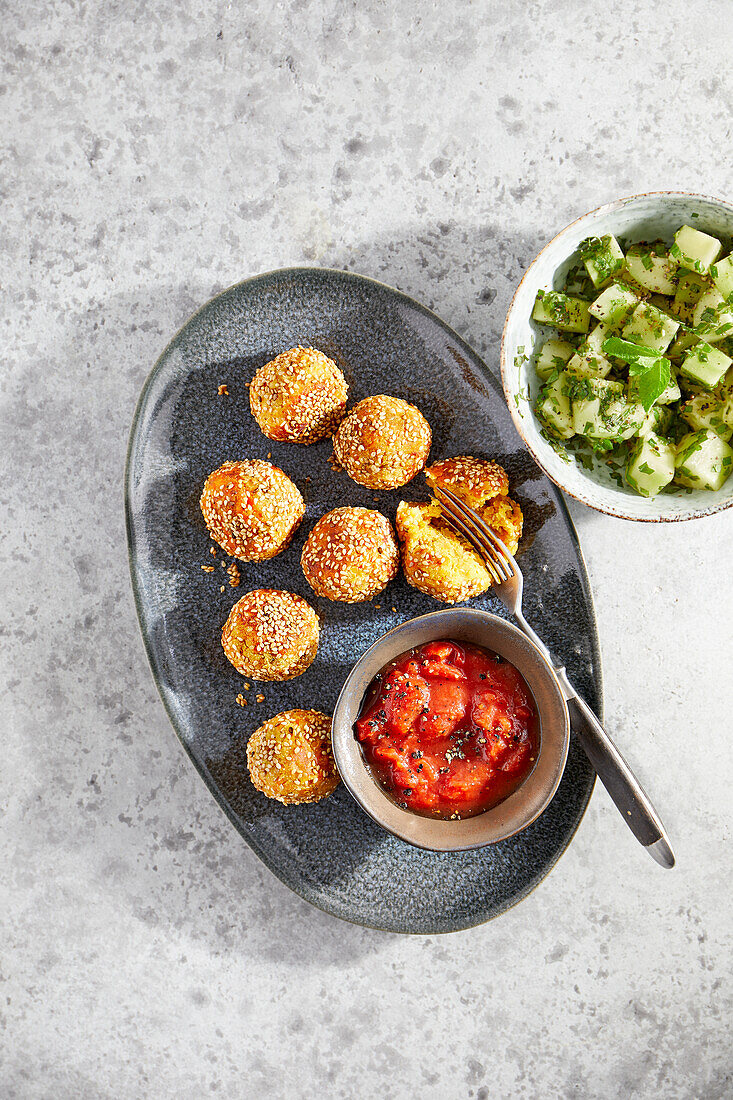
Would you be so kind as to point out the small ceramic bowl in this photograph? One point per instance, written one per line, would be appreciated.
(517, 811)
(637, 218)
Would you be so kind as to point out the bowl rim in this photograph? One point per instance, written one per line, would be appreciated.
(605, 508)
(342, 729)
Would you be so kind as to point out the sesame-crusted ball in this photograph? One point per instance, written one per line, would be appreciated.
(436, 559)
(350, 555)
(483, 485)
(475, 480)
(299, 397)
(251, 509)
(290, 757)
(383, 442)
(271, 635)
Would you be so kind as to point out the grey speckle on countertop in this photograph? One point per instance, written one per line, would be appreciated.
(153, 154)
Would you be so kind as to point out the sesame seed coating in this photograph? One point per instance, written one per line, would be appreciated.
(271, 635)
(251, 509)
(290, 757)
(350, 555)
(475, 480)
(383, 442)
(299, 397)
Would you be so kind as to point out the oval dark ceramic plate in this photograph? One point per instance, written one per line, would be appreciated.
(333, 854)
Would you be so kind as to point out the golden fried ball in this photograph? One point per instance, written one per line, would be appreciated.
(251, 509)
(437, 560)
(383, 442)
(290, 757)
(271, 635)
(475, 480)
(483, 485)
(350, 555)
(299, 397)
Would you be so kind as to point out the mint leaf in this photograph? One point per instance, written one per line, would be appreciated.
(650, 368)
(638, 357)
(652, 383)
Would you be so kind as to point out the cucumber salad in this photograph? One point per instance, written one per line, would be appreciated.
(640, 372)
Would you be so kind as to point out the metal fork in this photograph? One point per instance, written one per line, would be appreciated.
(613, 771)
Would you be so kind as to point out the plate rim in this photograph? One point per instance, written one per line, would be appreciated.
(301, 888)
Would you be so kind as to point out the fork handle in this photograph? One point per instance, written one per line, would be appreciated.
(617, 777)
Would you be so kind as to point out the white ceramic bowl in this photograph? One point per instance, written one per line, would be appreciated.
(637, 218)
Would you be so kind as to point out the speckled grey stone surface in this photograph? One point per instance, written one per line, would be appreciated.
(152, 154)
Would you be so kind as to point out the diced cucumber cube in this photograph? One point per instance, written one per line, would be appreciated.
(651, 465)
(652, 267)
(601, 411)
(704, 461)
(613, 305)
(553, 407)
(560, 310)
(553, 356)
(670, 394)
(726, 345)
(713, 317)
(589, 358)
(694, 250)
(682, 344)
(722, 275)
(658, 420)
(590, 363)
(725, 392)
(594, 340)
(705, 411)
(705, 365)
(650, 327)
(603, 258)
(690, 289)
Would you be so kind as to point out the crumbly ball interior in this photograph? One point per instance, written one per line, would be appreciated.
(484, 486)
(437, 560)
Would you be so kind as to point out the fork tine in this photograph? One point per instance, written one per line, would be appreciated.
(483, 527)
(480, 548)
(488, 553)
(491, 544)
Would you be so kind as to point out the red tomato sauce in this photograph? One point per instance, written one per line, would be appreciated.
(449, 729)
